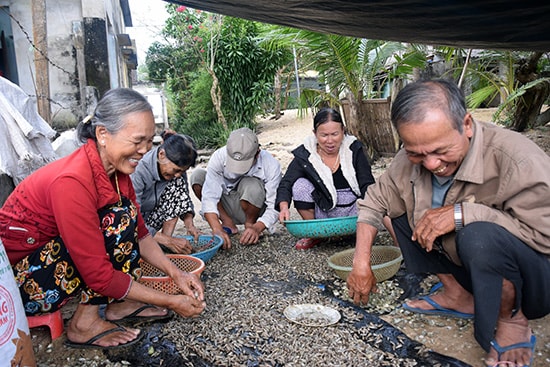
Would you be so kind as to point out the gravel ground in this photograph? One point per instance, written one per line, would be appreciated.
(248, 288)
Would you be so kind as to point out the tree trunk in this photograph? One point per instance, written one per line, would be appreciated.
(527, 109)
(277, 88)
(356, 122)
(287, 91)
(6, 187)
(370, 122)
(216, 95)
(543, 118)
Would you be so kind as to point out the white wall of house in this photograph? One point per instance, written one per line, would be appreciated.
(62, 16)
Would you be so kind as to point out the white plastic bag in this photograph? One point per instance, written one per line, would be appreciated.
(15, 339)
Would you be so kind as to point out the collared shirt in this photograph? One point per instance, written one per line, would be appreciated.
(147, 182)
(149, 186)
(220, 181)
(504, 179)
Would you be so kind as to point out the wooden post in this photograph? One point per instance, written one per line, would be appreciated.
(40, 39)
(78, 39)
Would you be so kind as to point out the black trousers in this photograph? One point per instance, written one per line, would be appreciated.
(489, 254)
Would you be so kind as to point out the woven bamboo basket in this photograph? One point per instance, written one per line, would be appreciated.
(385, 262)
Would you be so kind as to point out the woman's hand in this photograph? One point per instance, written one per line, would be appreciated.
(190, 285)
(179, 245)
(194, 231)
(187, 306)
(284, 215)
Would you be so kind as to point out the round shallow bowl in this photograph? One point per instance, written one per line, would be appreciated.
(385, 262)
(155, 278)
(206, 247)
(312, 314)
(322, 228)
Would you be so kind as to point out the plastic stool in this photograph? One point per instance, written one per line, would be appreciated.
(53, 320)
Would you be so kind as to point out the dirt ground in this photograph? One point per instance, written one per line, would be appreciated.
(446, 336)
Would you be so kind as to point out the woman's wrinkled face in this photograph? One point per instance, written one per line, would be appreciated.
(435, 144)
(123, 150)
(168, 169)
(329, 137)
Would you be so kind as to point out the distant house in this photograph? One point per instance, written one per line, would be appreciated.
(87, 52)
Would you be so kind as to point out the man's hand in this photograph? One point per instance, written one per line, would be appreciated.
(361, 282)
(226, 239)
(214, 221)
(249, 237)
(434, 223)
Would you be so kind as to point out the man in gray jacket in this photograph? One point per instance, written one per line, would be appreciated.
(469, 202)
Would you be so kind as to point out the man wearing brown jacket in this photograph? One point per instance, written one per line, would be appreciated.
(469, 202)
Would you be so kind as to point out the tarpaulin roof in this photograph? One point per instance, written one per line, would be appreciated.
(484, 24)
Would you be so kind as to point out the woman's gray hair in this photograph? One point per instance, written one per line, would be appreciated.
(419, 97)
(110, 112)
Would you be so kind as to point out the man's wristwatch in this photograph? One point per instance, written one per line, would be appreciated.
(459, 222)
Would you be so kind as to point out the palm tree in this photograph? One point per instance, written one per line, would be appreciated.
(518, 79)
(353, 69)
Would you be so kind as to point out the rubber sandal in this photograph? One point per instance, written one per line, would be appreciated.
(135, 318)
(530, 344)
(437, 309)
(437, 286)
(307, 243)
(89, 344)
(229, 231)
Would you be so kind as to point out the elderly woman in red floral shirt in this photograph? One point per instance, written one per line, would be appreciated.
(72, 229)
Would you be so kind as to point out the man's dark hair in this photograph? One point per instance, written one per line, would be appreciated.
(417, 98)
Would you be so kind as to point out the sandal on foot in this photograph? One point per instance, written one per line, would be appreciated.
(437, 286)
(530, 344)
(437, 309)
(229, 231)
(307, 243)
(135, 318)
(90, 343)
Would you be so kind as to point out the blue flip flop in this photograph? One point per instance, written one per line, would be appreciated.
(530, 344)
(438, 309)
(228, 231)
(437, 286)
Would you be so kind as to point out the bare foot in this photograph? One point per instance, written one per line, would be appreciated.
(81, 331)
(119, 310)
(464, 303)
(512, 331)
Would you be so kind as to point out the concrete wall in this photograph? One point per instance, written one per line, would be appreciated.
(76, 65)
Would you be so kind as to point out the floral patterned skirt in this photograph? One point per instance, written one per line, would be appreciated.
(345, 200)
(174, 202)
